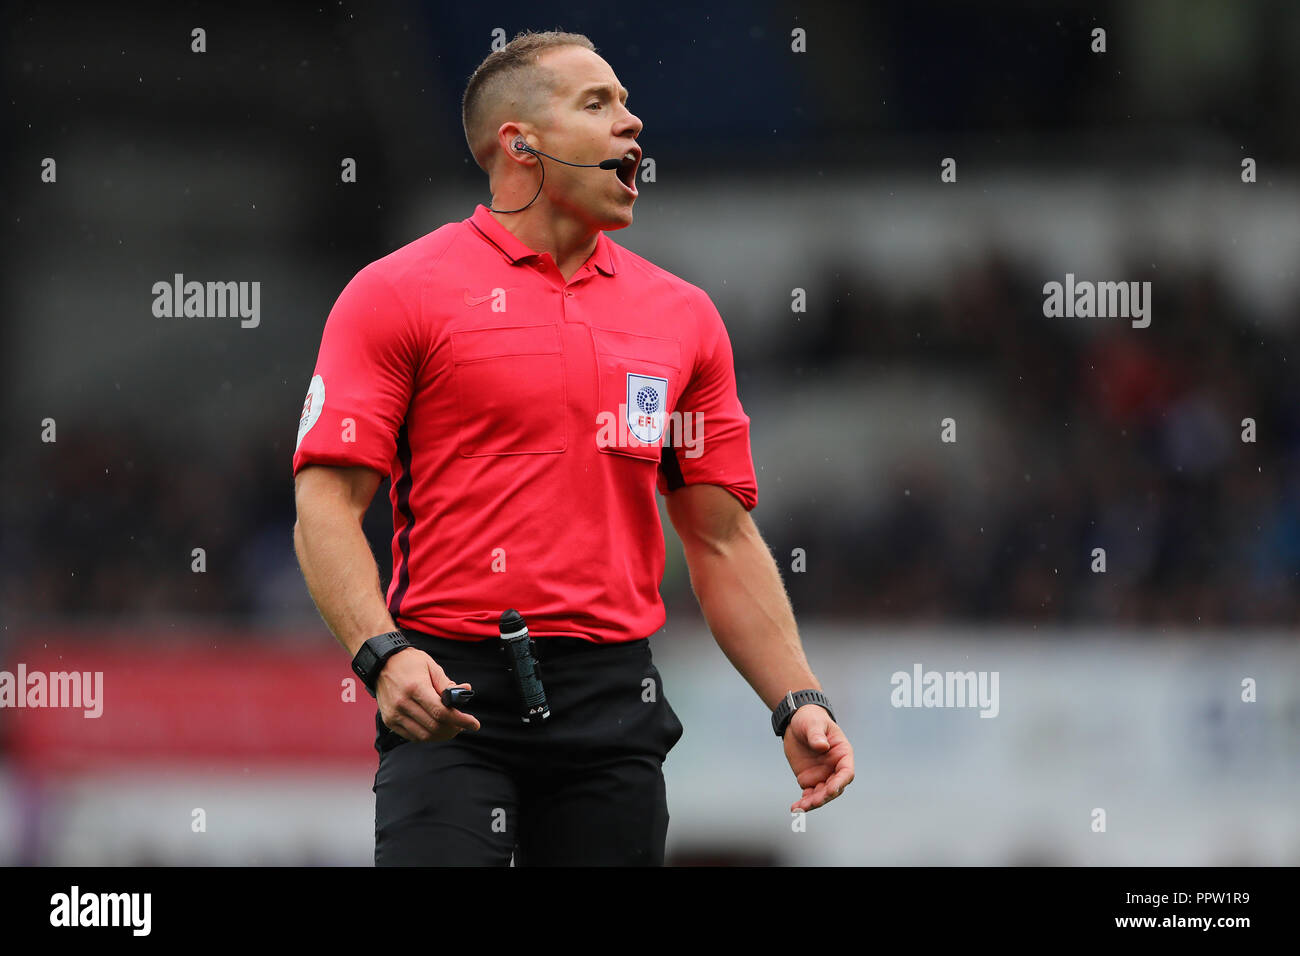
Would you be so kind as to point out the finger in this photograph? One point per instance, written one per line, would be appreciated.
(816, 732)
(840, 779)
(430, 701)
(414, 714)
(819, 799)
(813, 776)
(405, 729)
(424, 698)
(452, 716)
(438, 677)
(466, 686)
(834, 787)
(413, 704)
(821, 795)
(459, 718)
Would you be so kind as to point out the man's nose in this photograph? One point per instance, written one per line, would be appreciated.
(632, 123)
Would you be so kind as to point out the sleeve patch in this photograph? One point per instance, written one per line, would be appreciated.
(311, 408)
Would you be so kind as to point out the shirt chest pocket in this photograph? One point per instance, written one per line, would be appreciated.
(639, 380)
(510, 390)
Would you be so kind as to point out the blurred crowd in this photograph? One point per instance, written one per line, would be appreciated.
(1119, 438)
(1125, 439)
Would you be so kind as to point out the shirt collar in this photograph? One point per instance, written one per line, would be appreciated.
(515, 250)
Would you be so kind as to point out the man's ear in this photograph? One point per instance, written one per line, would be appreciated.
(508, 136)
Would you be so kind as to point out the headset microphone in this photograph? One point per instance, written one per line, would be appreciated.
(519, 144)
(603, 164)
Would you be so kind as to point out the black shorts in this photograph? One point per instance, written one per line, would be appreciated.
(584, 788)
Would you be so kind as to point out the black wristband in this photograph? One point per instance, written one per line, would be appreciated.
(792, 701)
(374, 652)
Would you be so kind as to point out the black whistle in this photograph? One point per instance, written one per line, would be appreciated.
(457, 696)
(517, 648)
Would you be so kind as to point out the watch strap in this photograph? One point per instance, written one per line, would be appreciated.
(372, 655)
(792, 701)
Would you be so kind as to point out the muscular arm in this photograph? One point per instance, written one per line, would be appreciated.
(343, 579)
(740, 591)
(334, 555)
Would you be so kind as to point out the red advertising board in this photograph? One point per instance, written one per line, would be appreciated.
(197, 698)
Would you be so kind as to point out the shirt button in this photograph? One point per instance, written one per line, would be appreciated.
(569, 294)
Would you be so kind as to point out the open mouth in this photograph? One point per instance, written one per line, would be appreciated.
(626, 172)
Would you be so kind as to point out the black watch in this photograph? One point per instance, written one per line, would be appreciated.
(370, 659)
(792, 702)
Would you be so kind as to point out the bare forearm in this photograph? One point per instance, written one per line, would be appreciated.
(745, 604)
(341, 575)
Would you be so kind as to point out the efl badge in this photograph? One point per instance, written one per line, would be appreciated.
(311, 408)
(646, 397)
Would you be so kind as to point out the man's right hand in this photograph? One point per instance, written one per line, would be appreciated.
(409, 691)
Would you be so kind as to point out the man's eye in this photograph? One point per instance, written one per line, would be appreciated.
(593, 103)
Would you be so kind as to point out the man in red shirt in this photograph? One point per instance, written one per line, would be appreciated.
(528, 385)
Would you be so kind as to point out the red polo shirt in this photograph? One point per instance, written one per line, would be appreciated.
(525, 423)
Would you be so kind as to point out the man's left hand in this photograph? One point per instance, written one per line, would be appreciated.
(820, 756)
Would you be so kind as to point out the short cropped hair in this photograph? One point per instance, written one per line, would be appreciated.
(510, 78)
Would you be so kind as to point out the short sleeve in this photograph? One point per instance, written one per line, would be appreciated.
(358, 396)
(707, 442)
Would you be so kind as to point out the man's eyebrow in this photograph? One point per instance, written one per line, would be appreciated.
(602, 88)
